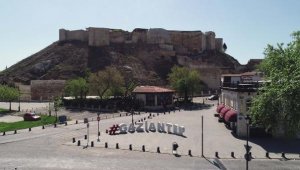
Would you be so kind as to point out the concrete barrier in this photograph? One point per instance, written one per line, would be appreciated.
(232, 155)
(216, 154)
(190, 153)
(267, 155)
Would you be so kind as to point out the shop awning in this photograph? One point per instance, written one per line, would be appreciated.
(231, 116)
(219, 107)
(223, 111)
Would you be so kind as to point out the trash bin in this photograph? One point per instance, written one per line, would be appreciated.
(62, 119)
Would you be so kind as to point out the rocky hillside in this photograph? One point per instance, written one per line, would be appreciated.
(148, 63)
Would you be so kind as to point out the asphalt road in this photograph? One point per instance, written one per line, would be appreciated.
(52, 148)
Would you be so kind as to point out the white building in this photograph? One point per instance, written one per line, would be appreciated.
(237, 91)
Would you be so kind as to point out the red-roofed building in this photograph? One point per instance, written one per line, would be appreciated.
(154, 97)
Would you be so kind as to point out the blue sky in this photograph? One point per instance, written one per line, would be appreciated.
(246, 26)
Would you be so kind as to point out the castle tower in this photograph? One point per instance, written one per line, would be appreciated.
(210, 40)
(98, 36)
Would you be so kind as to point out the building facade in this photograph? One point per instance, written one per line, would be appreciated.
(237, 92)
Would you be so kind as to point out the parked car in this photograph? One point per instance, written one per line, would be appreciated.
(213, 97)
(31, 117)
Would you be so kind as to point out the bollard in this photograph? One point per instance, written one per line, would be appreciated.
(232, 154)
(267, 155)
(54, 125)
(43, 127)
(76, 121)
(106, 131)
(164, 113)
(106, 145)
(74, 140)
(283, 155)
(144, 118)
(3, 133)
(120, 115)
(216, 154)
(117, 145)
(15, 132)
(158, 150)
(92, 143)
(143, 148)
(130, 147)
(157, 114)
(29, 129)
(66, 123)
(138, 120)
(190, 153)
(78, 143)
(85, 136)
(126, 114)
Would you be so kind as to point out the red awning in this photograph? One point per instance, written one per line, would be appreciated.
(231, 116)
(223, 111)
(219, 107)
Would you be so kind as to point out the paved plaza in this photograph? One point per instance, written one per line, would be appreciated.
(52, 148)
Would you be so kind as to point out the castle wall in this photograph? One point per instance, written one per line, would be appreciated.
(190, 40)
(158, 36)
(139, 35)
(79, 35)
(182, 42)
(46, 89)
(219, 44)
(98, 36)
(116, 36)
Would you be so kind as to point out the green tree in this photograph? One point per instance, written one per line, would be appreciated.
(277, 106)
(77, 88)
(185, 81)
(57, 106)
(9, 94)
(108, 80)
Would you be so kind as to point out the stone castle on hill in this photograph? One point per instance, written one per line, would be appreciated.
(180, 41)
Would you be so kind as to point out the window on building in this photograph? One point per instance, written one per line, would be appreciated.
(150, 99)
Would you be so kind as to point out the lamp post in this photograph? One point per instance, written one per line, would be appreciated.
(19, 108)
(247, 147)
(98, 119)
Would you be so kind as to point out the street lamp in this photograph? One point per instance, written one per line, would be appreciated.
(98, 119)
(247, 147)
(19, 108)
